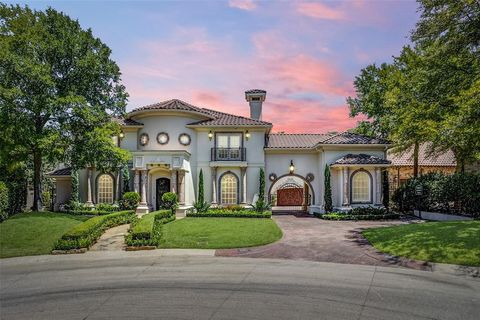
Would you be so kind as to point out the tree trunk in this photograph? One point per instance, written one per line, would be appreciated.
(416, 148)
(37, 181)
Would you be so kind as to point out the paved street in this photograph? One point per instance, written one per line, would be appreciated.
(310, 238)
(162, 285)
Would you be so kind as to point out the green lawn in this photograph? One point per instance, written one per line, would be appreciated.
(444, 242)
(219, 233)
(34, 233)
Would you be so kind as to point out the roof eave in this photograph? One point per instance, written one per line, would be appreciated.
(361, 165)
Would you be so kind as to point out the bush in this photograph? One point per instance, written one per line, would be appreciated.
(262, 205)
(170, 201)
(86, 233)
(201, 206)
(360, 213)
(106, 207)
(368, 211)
(226, 212)
(73, 205)
(452, 194)
(130, 201)
(327, 190)
(3, 201)
(147, 230)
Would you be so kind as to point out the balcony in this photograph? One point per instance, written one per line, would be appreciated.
(228, 154)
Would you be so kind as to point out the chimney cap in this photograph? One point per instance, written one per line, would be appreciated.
(256, 91)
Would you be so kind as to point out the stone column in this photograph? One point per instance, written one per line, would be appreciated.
(173, 181)
(214, 185)
(136, 182)
(181, 187)
(143, 206)
(346, 187)
(378, 184)
(243, 174)
(89, 202)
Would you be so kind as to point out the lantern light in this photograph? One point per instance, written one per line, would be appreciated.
(292, 167)
(247, 135)
(121, 135)
(210, 135)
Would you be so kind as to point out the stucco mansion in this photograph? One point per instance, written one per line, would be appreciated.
(172, 140)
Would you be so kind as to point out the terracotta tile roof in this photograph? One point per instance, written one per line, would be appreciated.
(445, 159)
(226, 119)
(295, 140)
(352, 138)
(215, 118)
(360, 159)
(126, 122)
(61, 172)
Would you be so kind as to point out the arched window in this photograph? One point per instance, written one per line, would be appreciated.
(361, 187)
(105, 189)
(229, 189)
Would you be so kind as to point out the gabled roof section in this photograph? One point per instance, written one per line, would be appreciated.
(225, 119)
(353, 138)
(360, 159)
(444, 159)
(295, 140)
(126, 122)
(60, 172)
(173, 104)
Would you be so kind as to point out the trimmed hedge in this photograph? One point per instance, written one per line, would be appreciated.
(345, 216)
(227, 213)
(90, 212)
(147, 230)
(86, 233)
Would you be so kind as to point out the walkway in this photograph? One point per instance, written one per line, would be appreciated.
(310, 238)
(112, 240)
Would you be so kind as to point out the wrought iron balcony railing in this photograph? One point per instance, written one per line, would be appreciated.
(229, 154)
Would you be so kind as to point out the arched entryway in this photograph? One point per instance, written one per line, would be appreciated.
(291, 192)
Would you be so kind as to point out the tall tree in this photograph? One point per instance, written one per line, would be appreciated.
(57, 82)
(327, 190)
(201, 195)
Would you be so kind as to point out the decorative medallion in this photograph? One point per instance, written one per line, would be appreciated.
(144, 139)
(184, 139)
(272, 177)
(163, 138)
(309, 177)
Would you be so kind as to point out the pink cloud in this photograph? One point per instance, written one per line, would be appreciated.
(242, 4)
(320, 11)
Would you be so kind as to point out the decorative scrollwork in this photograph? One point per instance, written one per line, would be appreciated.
(310, 177)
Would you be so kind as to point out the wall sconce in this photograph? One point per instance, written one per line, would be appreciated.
(210, 135)
(247, 135)
(121, 135)
(292, 167)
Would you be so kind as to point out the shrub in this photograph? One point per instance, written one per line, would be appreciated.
(73, 205)
(130, 201)
(360, 213)
(3, 201)
(75, 184)
(147, 230)
(201, 205)
(225, 212)
(108, 207)
(262, 205)
(86, 233)
(452, 194)
(170, 201)
(368, 211)
(328, 190)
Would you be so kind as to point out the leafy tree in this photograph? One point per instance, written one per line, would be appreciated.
(327, 190)
(57, 84)
(126, 179)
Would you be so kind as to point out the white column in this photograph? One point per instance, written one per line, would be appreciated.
(378, 183)
(143, 206)
(243, 173)
(214, 185)
(136, 182)
(173, 182)
(181, 187)
(89, 202)
(346, 190)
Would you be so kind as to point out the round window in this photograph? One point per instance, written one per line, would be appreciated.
(184, 139)
(143, 139)
(162, 138)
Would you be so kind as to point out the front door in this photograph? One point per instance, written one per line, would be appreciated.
(162, 186)
(290, 197)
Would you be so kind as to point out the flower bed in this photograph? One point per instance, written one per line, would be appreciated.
(147, 230)
(229, 213)
(360, 213)
(86, 233)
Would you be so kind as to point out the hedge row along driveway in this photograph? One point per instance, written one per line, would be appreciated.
(34, 233)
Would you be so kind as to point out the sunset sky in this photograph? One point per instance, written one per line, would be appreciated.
(305, 54)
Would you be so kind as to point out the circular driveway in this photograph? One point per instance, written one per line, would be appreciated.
(150, 285)
(310, 238)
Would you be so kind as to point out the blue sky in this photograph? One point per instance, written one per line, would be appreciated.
(305, 54)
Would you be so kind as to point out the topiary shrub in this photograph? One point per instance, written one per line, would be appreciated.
(327, 190)
(3, 201)
(170, 201)
(130, 201)
(201, 205)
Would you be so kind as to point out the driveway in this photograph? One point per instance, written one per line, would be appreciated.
(310, 238)
(151, 285)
